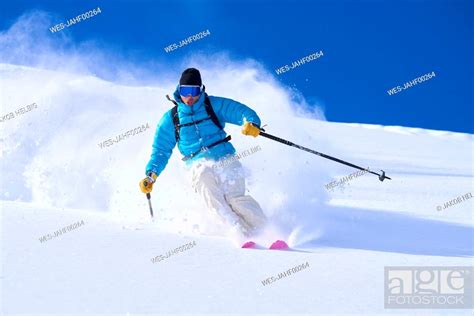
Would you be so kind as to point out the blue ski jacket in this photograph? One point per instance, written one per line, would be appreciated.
(194, 137)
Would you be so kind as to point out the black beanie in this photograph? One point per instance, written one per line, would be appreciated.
(191, 77)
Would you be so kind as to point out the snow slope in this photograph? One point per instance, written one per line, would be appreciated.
(54, 173)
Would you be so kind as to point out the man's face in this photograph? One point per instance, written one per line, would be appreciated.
(189, 100)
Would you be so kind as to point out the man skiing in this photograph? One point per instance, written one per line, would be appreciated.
(196, 124)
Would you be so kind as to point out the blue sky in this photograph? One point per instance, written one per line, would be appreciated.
(369, 47)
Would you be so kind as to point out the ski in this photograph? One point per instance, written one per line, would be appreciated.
(279, 245)
(249, 245)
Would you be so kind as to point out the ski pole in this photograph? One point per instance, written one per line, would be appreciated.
(148, 196)
(286, 142)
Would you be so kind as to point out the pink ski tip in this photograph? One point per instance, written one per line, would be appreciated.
(249, 244)
(279, 245)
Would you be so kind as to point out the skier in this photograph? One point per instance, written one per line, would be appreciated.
(196, 124)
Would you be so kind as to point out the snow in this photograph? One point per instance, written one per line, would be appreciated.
(54, 174)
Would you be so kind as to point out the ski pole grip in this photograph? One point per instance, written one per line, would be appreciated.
(260, 128)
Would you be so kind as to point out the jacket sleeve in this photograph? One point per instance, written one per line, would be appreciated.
(163, 145)
(234, 112)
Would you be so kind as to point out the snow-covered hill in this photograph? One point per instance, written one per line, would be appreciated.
(55, 173)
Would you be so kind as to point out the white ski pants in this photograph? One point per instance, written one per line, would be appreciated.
(223, 191)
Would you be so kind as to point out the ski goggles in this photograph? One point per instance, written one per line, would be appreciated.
(189, 90)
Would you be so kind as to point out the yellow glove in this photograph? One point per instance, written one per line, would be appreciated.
(146, 185)
(250, 129)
